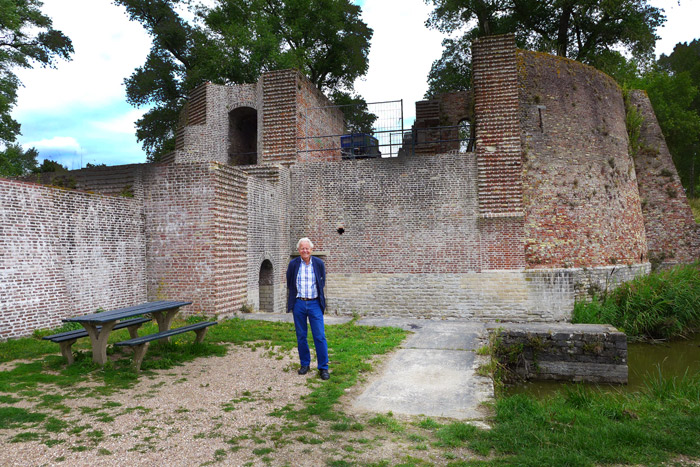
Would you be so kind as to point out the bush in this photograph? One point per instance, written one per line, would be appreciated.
(661, 305)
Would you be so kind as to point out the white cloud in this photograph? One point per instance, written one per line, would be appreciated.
(122, 124)
(402, 52)
(57, 143)
(107, 49)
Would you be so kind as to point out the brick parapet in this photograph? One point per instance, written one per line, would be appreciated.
(671, 231)
(66, 253)
(319, 125)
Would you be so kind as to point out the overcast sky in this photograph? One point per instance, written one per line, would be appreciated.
(77, 113)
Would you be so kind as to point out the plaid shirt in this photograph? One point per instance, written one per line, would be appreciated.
(306, 281)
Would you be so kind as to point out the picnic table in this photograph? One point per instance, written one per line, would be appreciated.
(100, 325)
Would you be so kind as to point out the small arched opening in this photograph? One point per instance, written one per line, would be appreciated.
(243, 136)
(466, 135)
(266, 287)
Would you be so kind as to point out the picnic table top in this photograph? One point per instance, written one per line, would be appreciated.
(127, 312)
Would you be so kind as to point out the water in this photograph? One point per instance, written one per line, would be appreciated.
(670, 358)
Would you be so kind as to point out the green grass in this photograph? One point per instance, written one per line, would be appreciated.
(662, 304)
(577, 426)
(580, 426)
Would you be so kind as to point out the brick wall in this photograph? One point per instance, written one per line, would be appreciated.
(498, 149)
(412, 215)
(279, 119)
(204, 134)
(579, 182)
(268, 228)
(317, 117)
(230, 238)
(671, 231)
(66, 253)
(180, 235)
(498, 152)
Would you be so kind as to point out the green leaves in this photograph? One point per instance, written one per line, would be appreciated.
(233, 42)
(27, 38)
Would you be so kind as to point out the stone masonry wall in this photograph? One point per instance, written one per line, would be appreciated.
(565, 352)
(671, 232)
(580, 185)
(66, 253)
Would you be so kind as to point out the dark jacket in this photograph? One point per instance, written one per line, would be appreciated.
(319, 274)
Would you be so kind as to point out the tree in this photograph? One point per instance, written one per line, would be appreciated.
(15, 161)
(584, 30)
(27, 37)
(234, 42)
(674, 91)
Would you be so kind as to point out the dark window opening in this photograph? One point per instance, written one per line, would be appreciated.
(243, 136)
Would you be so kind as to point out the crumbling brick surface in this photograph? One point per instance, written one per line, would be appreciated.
(579, 182)
(671, 232)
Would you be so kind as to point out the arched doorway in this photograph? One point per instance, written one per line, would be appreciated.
(266, 287)
(243, 136)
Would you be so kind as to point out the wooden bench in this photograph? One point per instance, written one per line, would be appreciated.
(65, 340)
(140, 344)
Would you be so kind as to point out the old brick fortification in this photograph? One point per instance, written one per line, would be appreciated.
(546, 209)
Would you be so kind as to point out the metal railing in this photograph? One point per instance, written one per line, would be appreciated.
(392, 143)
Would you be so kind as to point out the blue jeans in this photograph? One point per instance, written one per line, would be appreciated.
(311, 310)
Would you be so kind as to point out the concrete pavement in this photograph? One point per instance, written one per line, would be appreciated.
(432, 373)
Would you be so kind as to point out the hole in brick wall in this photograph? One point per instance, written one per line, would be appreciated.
(341, 230)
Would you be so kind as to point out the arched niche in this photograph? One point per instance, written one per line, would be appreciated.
(243, 136)
(266, 287)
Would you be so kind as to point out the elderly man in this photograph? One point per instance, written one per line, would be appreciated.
(306, 278)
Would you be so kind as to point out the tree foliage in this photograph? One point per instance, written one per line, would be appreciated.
(234, 41)
(15, 161)
(674, 91)
(584, 30)
(27, 38)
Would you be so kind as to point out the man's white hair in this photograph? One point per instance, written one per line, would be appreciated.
(305, 239)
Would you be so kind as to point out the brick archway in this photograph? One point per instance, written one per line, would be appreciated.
(266, 287)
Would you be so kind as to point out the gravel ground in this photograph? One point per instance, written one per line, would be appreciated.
(213, 411)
